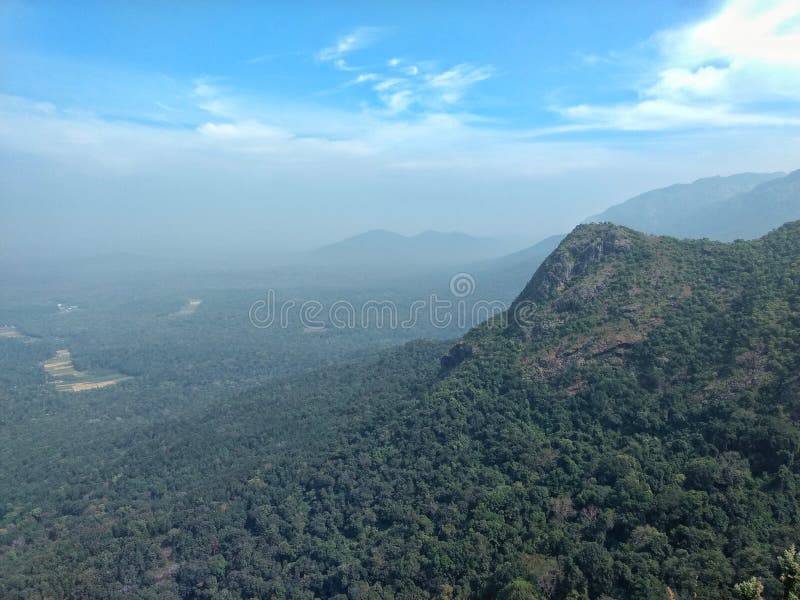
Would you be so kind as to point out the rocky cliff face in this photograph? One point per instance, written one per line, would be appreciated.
(585, 247)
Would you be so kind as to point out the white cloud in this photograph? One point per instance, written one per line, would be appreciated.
(659, 115)
(342, 65)
(452, 83)
(203, 89)
(435, 91)
(422, 85)
(243, 131)
(388, 83)
(364, 78)
(686, 84)
(732, 69)
(211, 99)
(460, 76)
(397, 63)
(355, 40)
(767, 32)
(399, 101)
(592, 59)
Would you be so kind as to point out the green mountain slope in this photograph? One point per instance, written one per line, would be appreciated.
(636, 429)
(641, 413)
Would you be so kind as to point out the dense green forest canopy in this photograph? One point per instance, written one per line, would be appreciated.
(628, 430)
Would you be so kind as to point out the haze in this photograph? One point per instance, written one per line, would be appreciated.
(166, 130)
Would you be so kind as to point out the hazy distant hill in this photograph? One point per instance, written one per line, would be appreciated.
(432, 248)
(750, 214)
(702, 209)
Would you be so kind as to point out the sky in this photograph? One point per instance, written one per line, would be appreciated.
(211, 127)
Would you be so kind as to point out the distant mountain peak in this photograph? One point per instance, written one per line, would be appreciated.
(432, 233)
(375, 233)
(388, 249)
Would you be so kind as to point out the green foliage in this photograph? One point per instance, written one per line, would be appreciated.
(790, 573)
(518, 590)
(750, 589)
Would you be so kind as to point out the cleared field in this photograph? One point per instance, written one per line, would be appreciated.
(189, 308)
(314, 329)
(10, 332)
(66, 378)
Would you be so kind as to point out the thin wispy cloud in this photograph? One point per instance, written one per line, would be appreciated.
(263, 58)
(460, 76)
(342, 65)
(433, 91)
(592, 59)
(364, 78)
(355, 40)
(403, 86)
(454, 82)
(407, 69)
(244, 130)
(203, 89)
(385, 84)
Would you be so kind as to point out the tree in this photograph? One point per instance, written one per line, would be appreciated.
(790, 573)
(518, 589)
(750, 589)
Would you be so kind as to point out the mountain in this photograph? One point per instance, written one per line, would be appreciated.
(639, 408)
(743, 206)
(696, 209)
(751, 214)
(386, 249)
(630, 428)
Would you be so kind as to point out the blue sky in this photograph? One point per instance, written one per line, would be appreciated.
(285, 125)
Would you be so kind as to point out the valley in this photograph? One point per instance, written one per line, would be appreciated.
(621, 413)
